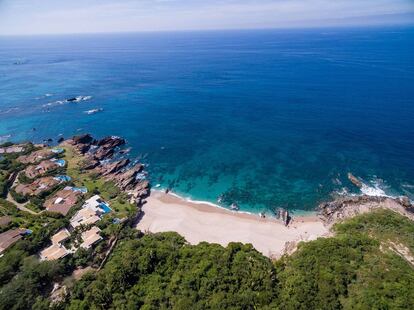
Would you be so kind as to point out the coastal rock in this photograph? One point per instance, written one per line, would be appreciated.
(128, 179)
(405, 202)
(60, 140)
(114, 167)
(103, 153)
(349, 206)
(83, 139)
(354, 180)
(90, 164)
(111, 142)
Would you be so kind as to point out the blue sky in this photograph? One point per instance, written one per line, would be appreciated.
(78, 16)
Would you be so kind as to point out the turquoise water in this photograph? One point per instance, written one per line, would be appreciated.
(264, 118)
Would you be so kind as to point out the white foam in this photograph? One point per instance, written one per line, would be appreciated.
(202, 202)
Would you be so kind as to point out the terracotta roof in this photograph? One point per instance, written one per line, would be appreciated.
(62, 201)
(84, 217)
(60, 236)
(10, 237)
(55, 251)
(90, 237)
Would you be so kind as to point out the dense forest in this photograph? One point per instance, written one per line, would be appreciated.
(360, 268)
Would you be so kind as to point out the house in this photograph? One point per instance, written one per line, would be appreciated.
(45, 166)
(10, 237)
(57, 249)
(35, 156)
(61, 236)
(84, 216)
(97, 204)
(37, 187)
(91, 211)
(62, 201)
(12, 149)
(91, 237)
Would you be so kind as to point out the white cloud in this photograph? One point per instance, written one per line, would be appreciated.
(60, 16)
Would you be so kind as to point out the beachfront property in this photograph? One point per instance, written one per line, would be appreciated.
(12, 149)
(35, 156)
(43, 167)
(10, 237)
(37, 187)
(63, 201)
(91, 212)
(91, 237)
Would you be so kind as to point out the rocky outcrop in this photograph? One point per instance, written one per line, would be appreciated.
(349, 206)
(110, 142)
(82, 143)
(103, 153)
(128, 179)
(83, 139)
(354, 180)
(114, 167)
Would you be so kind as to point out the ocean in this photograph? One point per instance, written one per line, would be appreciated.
(264, 118)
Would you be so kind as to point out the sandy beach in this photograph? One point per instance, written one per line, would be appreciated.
(199, 222)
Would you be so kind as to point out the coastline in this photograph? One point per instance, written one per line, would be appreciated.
(199, 221)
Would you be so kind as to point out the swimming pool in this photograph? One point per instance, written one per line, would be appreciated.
(104, 206)
(59, 162)
(63, 178)
(58, 150)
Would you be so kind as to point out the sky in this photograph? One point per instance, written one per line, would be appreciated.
(25, 17)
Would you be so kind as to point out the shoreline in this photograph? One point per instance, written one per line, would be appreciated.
(199, 221)
(294, 213)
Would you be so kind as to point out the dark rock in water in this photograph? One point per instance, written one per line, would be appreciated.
(283, 215)
(115, 167)
(49, 140)
(405, 201)
(111, 142)
(104, 153)
(354, 180)
(60, 140)
(83, 139)
(72, 99)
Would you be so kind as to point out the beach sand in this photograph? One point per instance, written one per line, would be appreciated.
(199, 222)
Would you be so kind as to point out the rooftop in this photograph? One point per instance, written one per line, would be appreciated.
(10, 237)
(62, 201)
(55, 251)
(90, 237)
(60, 236)
(84, 216)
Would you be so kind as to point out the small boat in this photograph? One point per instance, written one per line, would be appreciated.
(234, 207)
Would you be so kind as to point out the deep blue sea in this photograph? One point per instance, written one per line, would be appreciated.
(263, 118)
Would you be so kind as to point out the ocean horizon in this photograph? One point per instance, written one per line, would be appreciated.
(261, 118)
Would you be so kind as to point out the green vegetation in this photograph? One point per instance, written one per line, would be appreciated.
(349, 271)
(366, 265)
